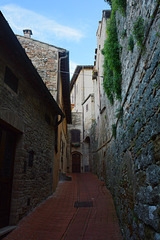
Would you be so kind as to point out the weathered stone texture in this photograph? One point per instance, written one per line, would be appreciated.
(132, 160)
(45, 59)
(31, 184)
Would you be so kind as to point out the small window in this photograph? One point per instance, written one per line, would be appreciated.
(87, 108)
(11, 80)
(75, 136)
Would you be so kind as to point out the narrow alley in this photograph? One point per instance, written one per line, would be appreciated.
(79, 209)
(80, 120)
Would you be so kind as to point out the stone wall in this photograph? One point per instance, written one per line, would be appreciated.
(28, 114)
(130, 164)
(45, 59)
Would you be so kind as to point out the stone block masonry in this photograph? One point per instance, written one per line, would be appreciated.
(45, 59)
(32, 119)
(131, 163)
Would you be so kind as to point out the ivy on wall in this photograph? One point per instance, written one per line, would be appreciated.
(120, 5)
(138, 31)
(111, 51)
(130, 43)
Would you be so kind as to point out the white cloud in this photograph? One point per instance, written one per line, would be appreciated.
(43, 29)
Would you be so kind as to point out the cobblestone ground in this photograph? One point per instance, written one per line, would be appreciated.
(79, 209)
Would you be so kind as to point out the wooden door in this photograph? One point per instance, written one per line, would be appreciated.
(7, 148)
(76, 163)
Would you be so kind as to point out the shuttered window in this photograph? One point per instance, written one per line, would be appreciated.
(75, 136)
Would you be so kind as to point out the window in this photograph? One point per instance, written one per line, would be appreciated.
(75, 136)
(87, 108)
(11, 80)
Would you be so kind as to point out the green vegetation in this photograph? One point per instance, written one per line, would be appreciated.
(157, 34)
(130, 43)
(124, 33)
(108, 81)
(114, 128)
(138, 31)
(153, 16)
(111, 52)
(112, 64)
(119, 114)
(108, 1)
(121, 6)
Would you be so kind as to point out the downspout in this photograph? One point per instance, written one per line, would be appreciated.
(59, 72)
(83, 89)
(83, 120)
(58, 86)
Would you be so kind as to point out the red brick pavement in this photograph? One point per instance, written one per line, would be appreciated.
(58, 219)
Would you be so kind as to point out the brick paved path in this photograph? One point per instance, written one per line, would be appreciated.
(58, 218)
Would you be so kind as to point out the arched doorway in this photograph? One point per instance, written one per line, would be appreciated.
(76, 162)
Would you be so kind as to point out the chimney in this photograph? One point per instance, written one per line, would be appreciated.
(27, 33)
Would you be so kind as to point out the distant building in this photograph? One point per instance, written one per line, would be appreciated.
(82, 100)
(100, 95)
(28, 122)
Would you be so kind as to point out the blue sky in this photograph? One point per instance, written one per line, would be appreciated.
(68, 24)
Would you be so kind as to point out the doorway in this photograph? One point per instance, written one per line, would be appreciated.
(7, 151)
(76, 163)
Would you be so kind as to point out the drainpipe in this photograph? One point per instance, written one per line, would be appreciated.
(83, 120)
(83, 89)
(58, 85)
(59, 72)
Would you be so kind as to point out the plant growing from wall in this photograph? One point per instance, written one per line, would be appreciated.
(124, 33)
(119, 114)
(114, 128)
(108, 81)
(112, 64)
(121, 6)
(138, 31)
(130, 43)
(109, 2)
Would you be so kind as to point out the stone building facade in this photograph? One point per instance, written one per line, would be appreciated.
(100, 128)
(28, 114)
(52, 64)
(45, 58)
(82, 100)
(130, 163)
